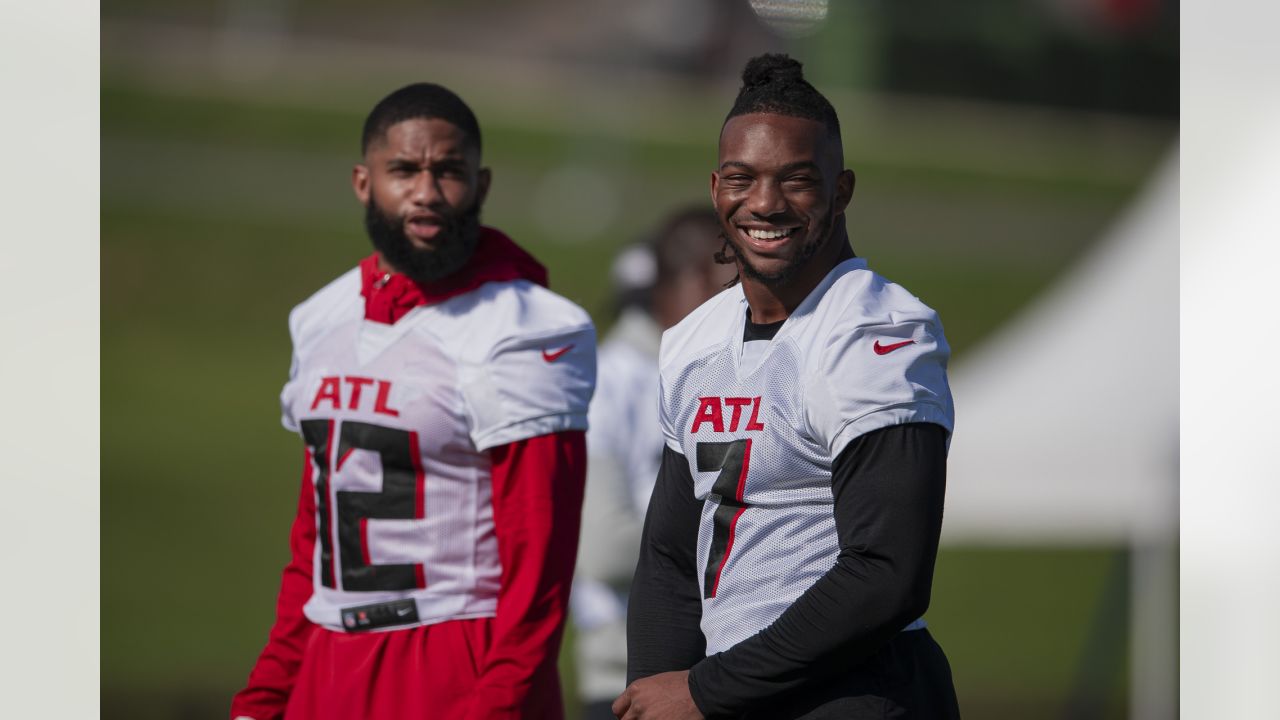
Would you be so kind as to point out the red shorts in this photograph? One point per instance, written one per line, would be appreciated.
(429, 671)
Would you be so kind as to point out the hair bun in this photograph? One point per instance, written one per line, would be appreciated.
(771, 67)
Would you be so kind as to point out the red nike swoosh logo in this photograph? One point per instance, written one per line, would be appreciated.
(886, 349)
(552, 357)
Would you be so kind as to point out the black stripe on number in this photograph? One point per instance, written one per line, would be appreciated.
(317, 434)
(730, 458)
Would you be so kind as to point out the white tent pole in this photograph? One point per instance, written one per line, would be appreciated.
(1153, 630)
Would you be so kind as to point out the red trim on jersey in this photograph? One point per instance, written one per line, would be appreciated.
(308, 469)
(728, 548)
(343, 460)
(733, 524)
(333, 510)
(364, 541)
(419, 497)
(496, 258)
(742, 476)
(274, 675)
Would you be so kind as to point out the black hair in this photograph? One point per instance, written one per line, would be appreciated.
(682, 242)
(419, 100)
(774, 83)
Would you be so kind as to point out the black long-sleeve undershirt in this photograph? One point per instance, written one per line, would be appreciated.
(665, 607)
(888, 487)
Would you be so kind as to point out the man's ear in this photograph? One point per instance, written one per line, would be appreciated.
(360, 183)
(483, 178)
(845, 183)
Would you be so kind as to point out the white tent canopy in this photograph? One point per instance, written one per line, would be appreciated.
(1067, 419)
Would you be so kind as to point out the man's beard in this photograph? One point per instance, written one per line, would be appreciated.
(788, 271)
(455, 242)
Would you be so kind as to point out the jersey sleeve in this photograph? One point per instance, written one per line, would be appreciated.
(665, 413)
(877, 375)
(537, 505)
(290, 389)
(531, 385)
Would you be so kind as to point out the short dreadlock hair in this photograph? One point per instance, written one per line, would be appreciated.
(419, 100)
(774, 83)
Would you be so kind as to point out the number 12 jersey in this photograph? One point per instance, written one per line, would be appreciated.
(398, 420)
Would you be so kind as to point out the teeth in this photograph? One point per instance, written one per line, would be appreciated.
(767, 234)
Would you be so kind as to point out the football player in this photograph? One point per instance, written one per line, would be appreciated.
(788, 549)
(441, 392)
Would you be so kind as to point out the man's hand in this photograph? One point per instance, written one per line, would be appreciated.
(661, 697)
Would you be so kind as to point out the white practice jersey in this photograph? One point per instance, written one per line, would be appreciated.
(624, 411)
(860, 353)
(398, 419)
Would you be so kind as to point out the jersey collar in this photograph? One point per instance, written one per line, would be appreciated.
(388, 297)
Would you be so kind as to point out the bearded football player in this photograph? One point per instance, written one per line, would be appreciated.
(440, 392)
(788, 549)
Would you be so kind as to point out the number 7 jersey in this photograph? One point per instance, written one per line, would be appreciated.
(760, 434)
(398, 420)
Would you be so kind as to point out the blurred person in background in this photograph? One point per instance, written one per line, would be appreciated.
(788, 549)
(656, 284)
(441, 392)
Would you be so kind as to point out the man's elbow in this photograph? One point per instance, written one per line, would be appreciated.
(914, 599)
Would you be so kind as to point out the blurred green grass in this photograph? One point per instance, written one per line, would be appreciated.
(220, 213)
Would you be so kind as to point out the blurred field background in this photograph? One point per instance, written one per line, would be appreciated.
(993, 142)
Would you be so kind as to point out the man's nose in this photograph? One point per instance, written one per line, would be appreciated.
(426, 191)
(765, 199)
